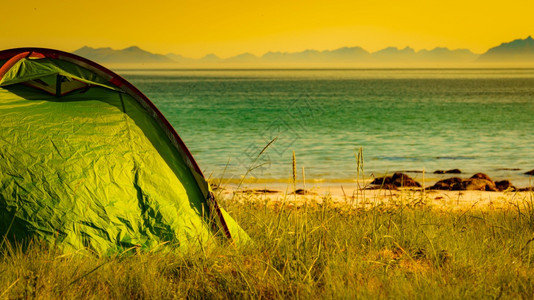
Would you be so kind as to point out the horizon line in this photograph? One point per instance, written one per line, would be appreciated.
(307, 49)
(279, 51)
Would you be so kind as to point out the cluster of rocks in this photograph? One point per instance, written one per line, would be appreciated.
(477, 182)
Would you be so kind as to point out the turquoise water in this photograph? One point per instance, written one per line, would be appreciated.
(405, 120)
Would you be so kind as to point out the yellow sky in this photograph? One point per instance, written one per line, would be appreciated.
(195, 28)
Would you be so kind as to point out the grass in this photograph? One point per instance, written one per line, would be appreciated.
(322, 250)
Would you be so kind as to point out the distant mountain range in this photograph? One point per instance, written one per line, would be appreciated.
(515, 51)
(518, 52)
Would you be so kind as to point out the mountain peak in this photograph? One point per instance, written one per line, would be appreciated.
(132, 48)
(131, 54)
(210, 56)
(85, 48)
(516, 51)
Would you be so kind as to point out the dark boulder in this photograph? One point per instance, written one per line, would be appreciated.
(447, 184)
(531, 172)
(303, 192)
(403, 180)
(382, 180)
(451, 171)
(478, 184)
(393, 182)
(504, 185)
(481, 176)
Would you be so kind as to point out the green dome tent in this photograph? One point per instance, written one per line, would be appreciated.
(88, 162)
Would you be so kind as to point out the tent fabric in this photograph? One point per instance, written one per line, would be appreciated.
(96, 167)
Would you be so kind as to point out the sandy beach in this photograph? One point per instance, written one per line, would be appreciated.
(354, 194)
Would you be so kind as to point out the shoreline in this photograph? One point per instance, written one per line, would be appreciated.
(348, 193)
(425, 179)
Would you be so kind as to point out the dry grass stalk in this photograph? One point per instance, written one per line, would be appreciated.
(294, 172)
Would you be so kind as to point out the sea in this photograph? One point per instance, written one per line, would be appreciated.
(248, 123)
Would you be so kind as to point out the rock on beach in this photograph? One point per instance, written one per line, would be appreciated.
(477, 182)
(394, 182)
